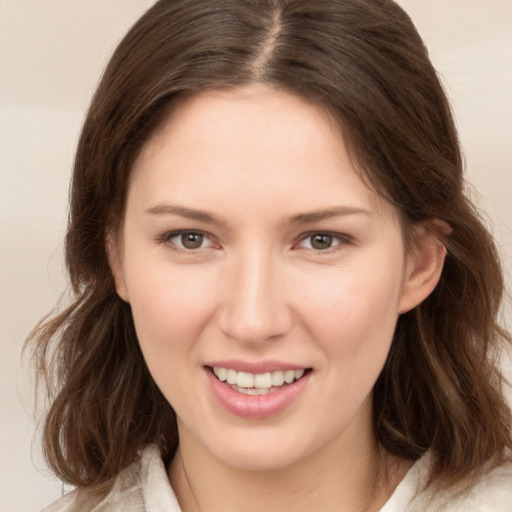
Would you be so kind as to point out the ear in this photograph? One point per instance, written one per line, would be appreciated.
(424, 263)
(113, 246)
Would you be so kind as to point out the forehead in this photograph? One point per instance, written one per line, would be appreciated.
(245, 118)
(252, 143)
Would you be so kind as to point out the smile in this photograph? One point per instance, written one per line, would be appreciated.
(257, 395)
(257, 384)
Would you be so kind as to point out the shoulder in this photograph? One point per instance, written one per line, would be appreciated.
(124, 494)
(492, 492)
(142, 486)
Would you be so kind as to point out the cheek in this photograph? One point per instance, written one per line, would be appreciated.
(170, 307)
(352, 325)
(353, 315)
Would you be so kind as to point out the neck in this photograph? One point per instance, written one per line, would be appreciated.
(351, 476)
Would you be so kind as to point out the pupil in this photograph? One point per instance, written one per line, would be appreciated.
(321, 241)
(191, 240)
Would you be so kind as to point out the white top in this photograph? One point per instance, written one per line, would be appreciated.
(144, 487)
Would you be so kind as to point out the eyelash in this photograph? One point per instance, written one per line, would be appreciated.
(341, 239)
(167, 237)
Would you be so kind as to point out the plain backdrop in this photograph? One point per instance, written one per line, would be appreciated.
(51, 56)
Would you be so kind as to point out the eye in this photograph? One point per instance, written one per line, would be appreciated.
(321, 241)
(187, 240)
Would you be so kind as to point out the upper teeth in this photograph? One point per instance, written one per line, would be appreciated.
(259, 380)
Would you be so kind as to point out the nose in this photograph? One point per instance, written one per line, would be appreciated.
(254, 306)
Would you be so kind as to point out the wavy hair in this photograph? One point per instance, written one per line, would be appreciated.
(364, 62)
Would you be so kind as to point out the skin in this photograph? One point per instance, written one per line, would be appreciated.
(257, 160)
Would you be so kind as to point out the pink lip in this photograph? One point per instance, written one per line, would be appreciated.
(259, 406)
(254, 367)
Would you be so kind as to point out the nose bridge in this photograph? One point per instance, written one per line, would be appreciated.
(255, 308)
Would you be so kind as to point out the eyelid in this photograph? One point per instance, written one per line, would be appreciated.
(166, 238)
(342, 238)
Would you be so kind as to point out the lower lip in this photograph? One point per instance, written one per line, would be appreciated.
(256, 406)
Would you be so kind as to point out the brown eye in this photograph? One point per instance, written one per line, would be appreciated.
(185, 241)
(321, 241)
(191, 240)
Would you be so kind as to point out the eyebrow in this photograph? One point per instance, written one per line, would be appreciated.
(301, 218)
(327, 213)
(188, 213)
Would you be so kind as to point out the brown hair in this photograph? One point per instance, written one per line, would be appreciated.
(364, 62)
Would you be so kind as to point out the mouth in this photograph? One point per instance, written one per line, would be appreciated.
(267, 393)
(257, 384)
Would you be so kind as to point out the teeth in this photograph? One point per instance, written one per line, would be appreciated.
(254, 391)
(244, 380)
(222, 374)
(230, 376)
(289, 376)
(256, 384)
(277, 378)
(263, 380)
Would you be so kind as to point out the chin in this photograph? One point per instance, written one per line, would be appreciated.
(258, 461)
(260, 453)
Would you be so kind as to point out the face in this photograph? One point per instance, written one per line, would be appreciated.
(264, 277)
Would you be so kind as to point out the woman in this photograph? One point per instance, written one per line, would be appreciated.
(278, 301)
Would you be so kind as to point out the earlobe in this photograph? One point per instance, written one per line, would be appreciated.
(424, 266)
(114, 249)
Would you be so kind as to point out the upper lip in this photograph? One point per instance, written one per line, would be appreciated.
(255, 367)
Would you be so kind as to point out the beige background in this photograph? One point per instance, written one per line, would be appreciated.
(51, 55)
